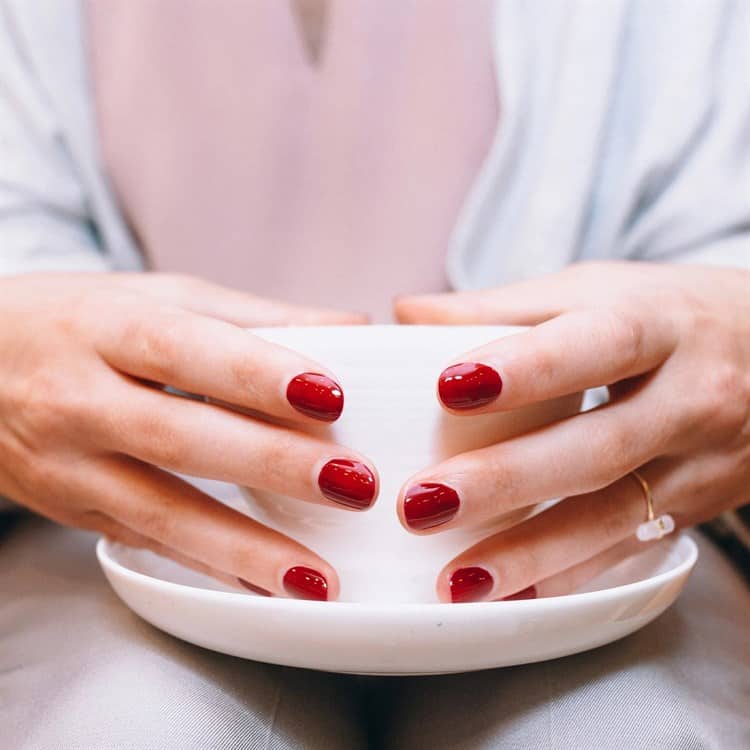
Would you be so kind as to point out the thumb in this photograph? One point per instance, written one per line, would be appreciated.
(231, 305)
(528, 302)
(478, 307)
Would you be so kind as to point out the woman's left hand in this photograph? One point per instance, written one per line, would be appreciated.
(672, 343)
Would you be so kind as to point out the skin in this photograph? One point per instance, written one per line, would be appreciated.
(672, 344)
(87, 432)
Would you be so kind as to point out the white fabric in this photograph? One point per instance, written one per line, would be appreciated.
(623, 134)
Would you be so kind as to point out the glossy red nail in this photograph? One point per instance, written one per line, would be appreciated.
(430, 504)
(316, 396)
(470, 585)
(252, 587)
(469, 385)
(347, 482)
(305, 583)
(528, 593)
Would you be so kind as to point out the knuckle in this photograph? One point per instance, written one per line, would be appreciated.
(73, 319)
(43, 479)
(506, 482)
(626, 334)
(273, 465)
(37, 477)
(523, 565)
(544, 366)
(153, 520)
(91, 520)
(689, 306)
(244, 559)
(690, 311)
(162, 442)
(613, 516)
(51, 405)
(156, 340)
(244, 374)
(612, 461)
(726, 397)
(91, 314)
(88, 305)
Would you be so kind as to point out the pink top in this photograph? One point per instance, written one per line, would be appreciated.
(236, 159)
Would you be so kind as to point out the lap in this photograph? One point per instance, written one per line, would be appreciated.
(78, 670)
(682, 682)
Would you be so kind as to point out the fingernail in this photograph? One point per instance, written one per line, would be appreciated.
(430, 504)
(252, 587)
(469, 385)
(347, 482)
(305, 583)
(316, 395)
(528, 593)
(470, 585)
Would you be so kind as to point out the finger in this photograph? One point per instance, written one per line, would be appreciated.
(475, 307)
(117, 532)
(567, 534)
(573, 352)
(528, 302)
(216, 359)
(203, 440)
(230, 305)
(162, 507)
(580, 454)
(578, 576)
(523, 303)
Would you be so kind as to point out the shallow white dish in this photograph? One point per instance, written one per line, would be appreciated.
(397, 639)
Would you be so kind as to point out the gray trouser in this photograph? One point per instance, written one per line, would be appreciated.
(79, 671)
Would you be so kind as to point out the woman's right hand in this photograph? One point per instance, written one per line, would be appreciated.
(88, 437)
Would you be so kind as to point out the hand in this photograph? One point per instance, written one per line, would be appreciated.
(672, 344)
(86, 431)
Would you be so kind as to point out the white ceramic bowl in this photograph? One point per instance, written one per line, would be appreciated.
(392, 415)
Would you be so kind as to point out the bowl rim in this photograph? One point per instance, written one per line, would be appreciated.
(683, 542)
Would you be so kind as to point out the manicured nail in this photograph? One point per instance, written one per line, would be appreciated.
(316, 396)
(252, 587)
(305, 583)
(430, 504)
(470, 585)
(347, 482)
(469, 385)
(528, 593)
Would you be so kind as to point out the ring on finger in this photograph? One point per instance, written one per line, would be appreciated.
(653, 527)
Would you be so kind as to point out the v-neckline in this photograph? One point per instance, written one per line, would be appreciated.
(311, 19)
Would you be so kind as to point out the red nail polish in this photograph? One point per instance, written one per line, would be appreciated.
(470, 585)
(316, 396)
(430, 504)
(528, 593)
(252, 587)
(347, 482)
(305, 583)
(469, 385)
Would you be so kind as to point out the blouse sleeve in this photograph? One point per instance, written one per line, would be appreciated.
(696, 208)
(45, 223)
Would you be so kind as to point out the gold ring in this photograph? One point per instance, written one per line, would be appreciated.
(653, 527)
